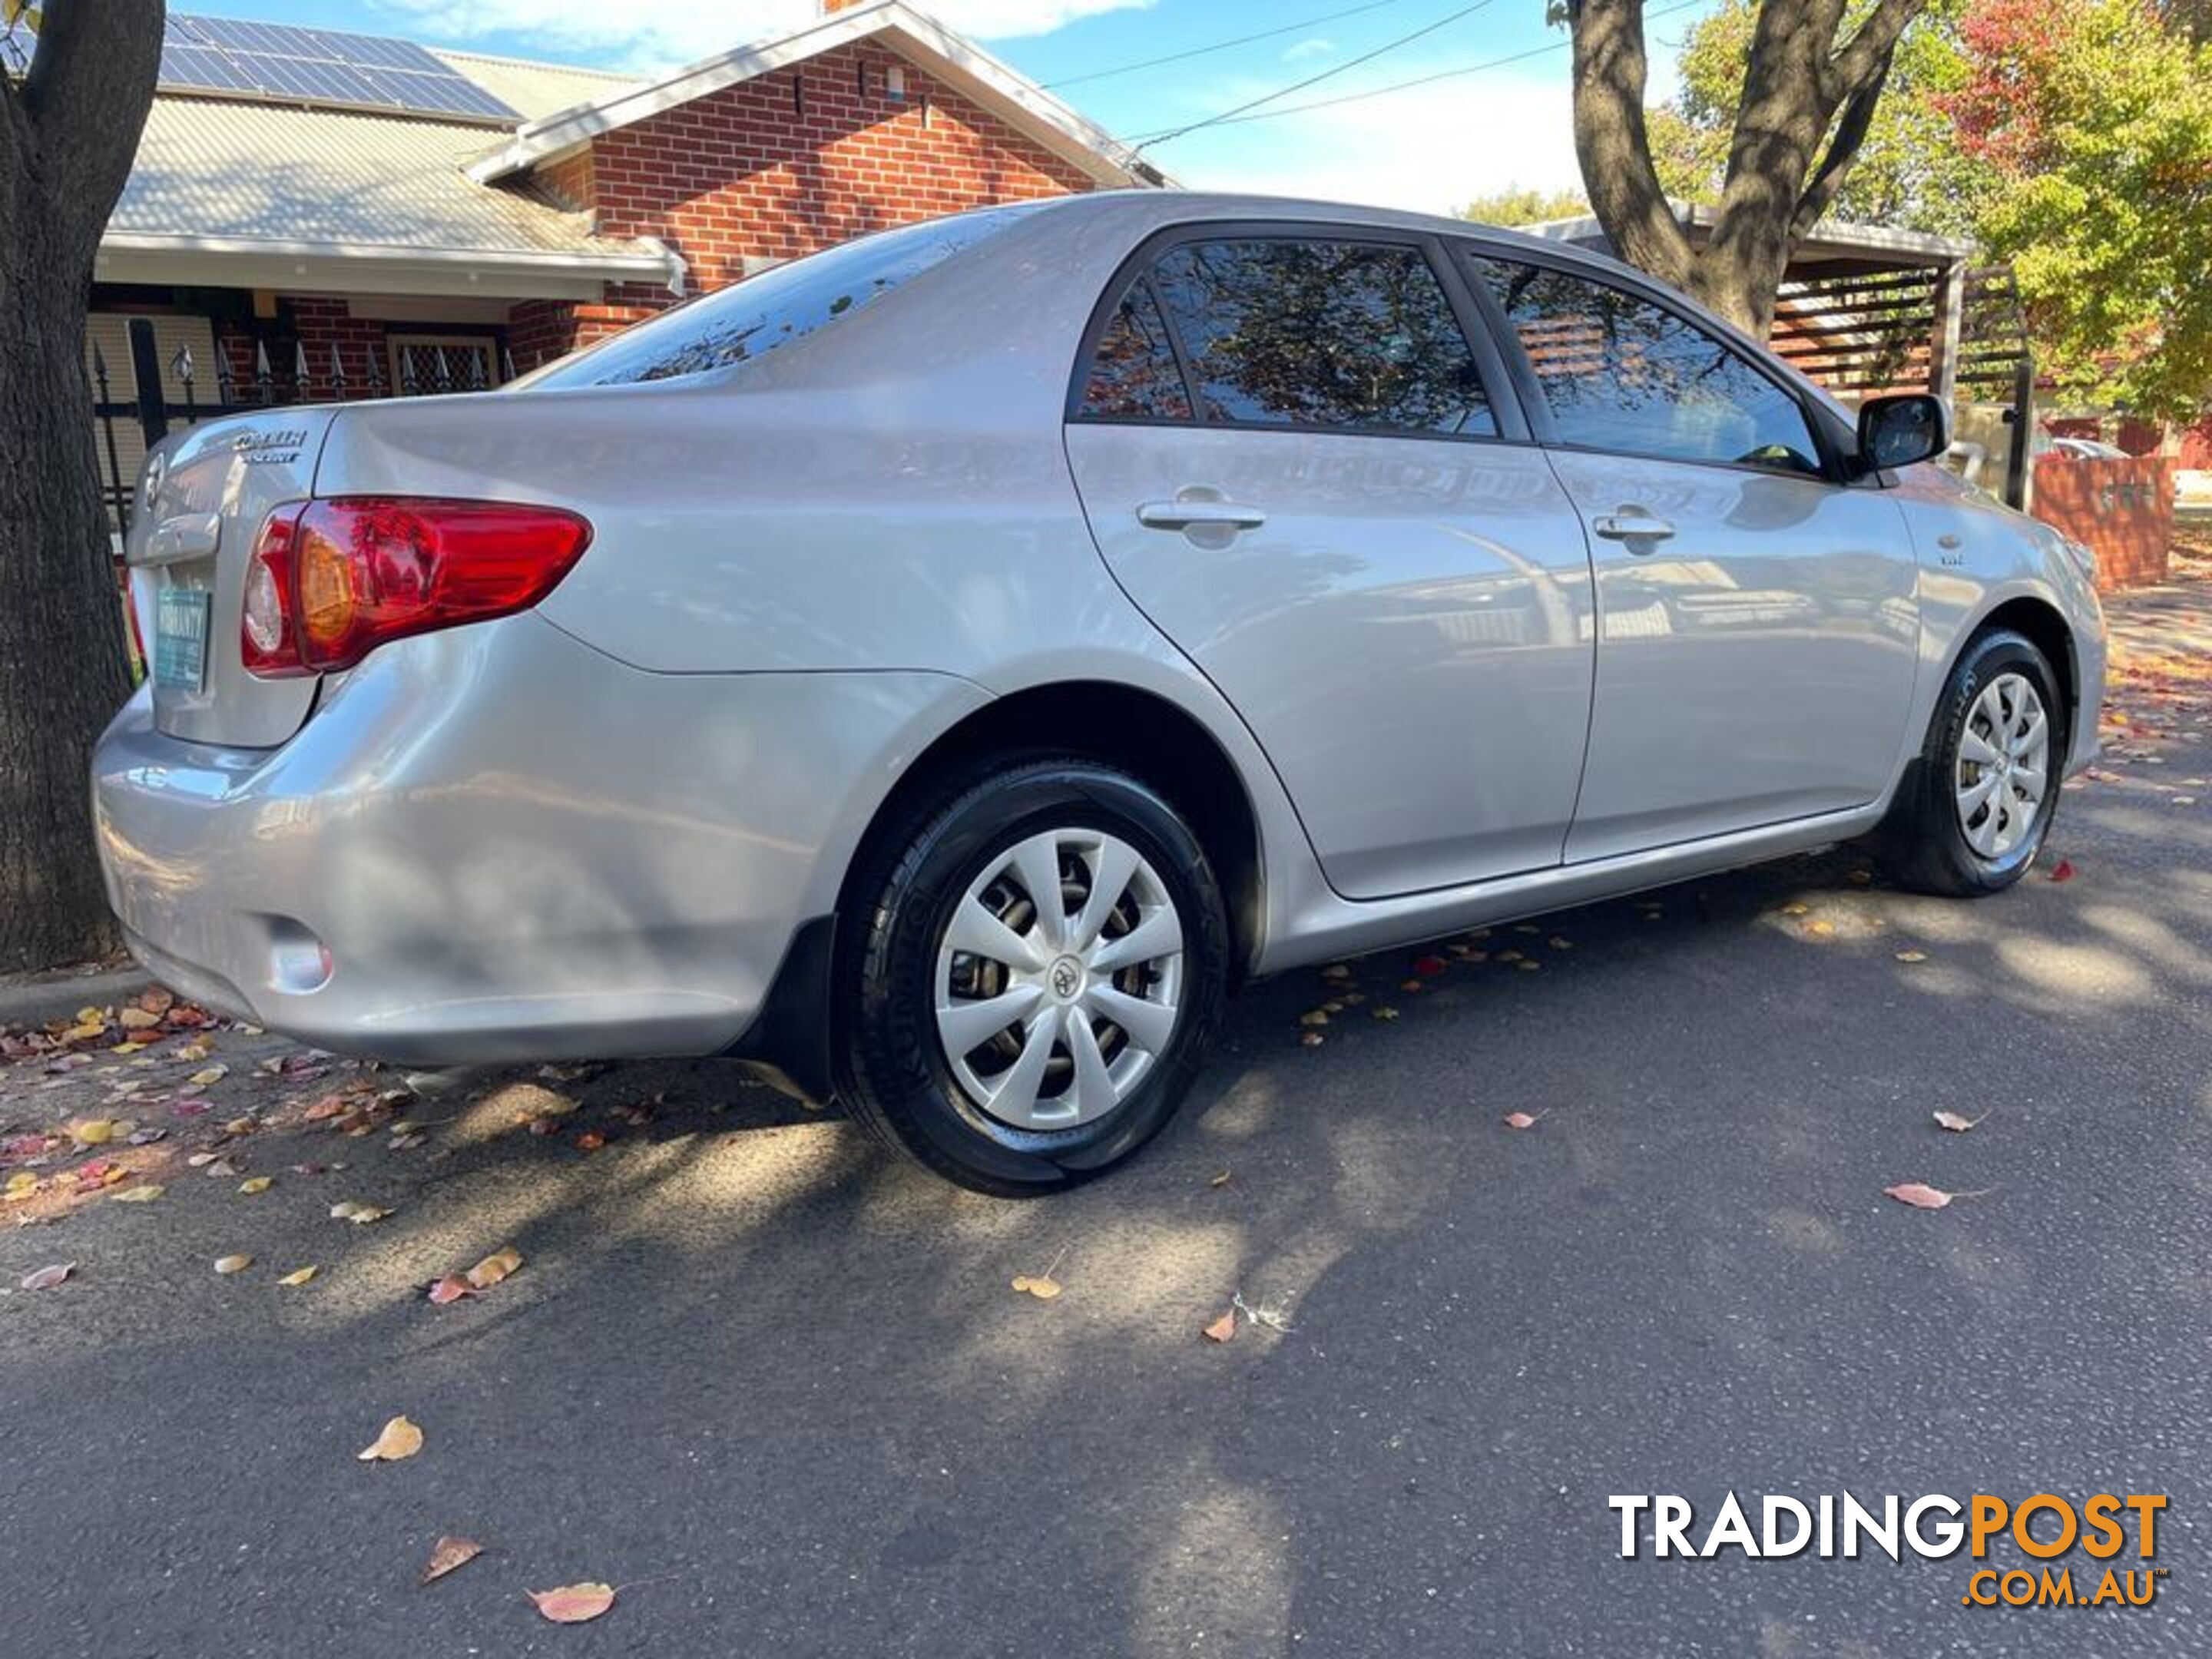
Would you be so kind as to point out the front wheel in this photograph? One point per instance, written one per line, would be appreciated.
(1973, 815)
(1035, 969)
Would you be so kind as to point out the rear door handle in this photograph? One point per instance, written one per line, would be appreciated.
(1632, 527)
(1200, 514)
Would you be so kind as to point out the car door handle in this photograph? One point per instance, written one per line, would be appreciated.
(1633, 527)
(1200, 514)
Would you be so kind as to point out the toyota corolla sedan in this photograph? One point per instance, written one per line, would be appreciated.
(939, 670)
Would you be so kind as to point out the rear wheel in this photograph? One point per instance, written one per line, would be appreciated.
(1034, 968)
(1974, 814)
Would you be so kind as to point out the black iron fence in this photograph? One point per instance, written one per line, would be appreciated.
(206, 392)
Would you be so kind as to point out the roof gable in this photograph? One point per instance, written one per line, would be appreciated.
(1024, 105)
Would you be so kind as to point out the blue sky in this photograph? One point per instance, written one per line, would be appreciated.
(1427, 148)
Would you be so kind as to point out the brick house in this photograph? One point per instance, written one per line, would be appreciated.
(317, 216)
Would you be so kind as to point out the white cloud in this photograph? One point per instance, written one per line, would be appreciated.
(666, 33)
(1429, 149)
(1313, 46)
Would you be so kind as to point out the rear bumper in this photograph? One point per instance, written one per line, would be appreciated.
(498, 844)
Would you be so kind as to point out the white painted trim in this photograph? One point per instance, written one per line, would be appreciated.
(1830, 237)
(360, 267)
(935, 48)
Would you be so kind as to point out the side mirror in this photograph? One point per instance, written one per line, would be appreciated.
(1898, 431)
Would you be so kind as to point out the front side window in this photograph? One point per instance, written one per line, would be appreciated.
(1622, 372)
(740, 322)
(1310, 332)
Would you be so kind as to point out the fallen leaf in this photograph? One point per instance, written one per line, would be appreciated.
(590, 1141)
(1921, 1196)
(360, 1214)
(157, 999)
(1337, 970)
(450, 1552)
(1409, 985)
(495, 1266)
(1042, 1287)
(2062, 871)
(257, 1184)
(1383, 1011)
(220, 1169)
(21, 1185)
(1429, 966)
(195, 1050)
(1558, 943)
(400, 1438)
(46, 1278)
(1525, 1120)
(573, 1604)
(91, 1132)
(1798, 909)
(1860, 877)
(1222, 1329)
(208, 1076)
(1313, 1017)
(232, 1264)
(298, 1276)
(1312, 1039)
(145, 1192)
(1221, 1180)
(1820, 929)
(138, 1020)
(450, 1288)
(1956, 1124)
(200, 1160)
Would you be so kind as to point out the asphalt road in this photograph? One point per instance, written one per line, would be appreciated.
(777, 1389)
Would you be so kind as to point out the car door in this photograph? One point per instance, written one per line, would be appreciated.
(1303, 466)
(1757, 618)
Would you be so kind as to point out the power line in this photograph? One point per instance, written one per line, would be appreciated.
(1316, 80)
(1221, 45)
(1237, 119)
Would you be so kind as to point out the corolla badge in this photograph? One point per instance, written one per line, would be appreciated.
(262, 448)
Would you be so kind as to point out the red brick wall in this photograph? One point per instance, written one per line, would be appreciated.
(796, 161)
(2124, 509)
(538, 331)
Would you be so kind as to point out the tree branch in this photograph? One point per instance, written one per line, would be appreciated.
(1864, 60)
(1610, 70)
(86, 98)
(1820, 192)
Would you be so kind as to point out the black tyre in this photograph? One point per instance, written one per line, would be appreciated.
(1972, 814)
(1031, 975)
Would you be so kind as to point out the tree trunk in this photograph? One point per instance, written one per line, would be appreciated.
(67, 138)
(1804, 95)
(62, 665)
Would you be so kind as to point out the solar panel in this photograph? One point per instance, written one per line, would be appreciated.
(319, 66)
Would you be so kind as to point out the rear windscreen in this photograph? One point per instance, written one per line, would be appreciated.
(737, 324)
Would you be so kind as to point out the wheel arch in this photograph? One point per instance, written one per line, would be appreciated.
(2040, 621)
(1142, 733)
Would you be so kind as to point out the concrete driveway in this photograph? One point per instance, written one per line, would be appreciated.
(778, 1391)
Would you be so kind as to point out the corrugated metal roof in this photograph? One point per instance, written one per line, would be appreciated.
(534, 90)
(212, 168)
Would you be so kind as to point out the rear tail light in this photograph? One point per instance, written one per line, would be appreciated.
(330, 580)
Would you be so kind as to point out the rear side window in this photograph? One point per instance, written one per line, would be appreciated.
(745, 321)
(1293, 331)
(1622, 372)
(1133, 375)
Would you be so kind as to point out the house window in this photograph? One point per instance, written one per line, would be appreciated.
(423, 365)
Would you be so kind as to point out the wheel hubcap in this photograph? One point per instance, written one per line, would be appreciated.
(2003, 766)
(1059, 979)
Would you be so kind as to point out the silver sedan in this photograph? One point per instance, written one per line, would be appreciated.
(938, 670)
